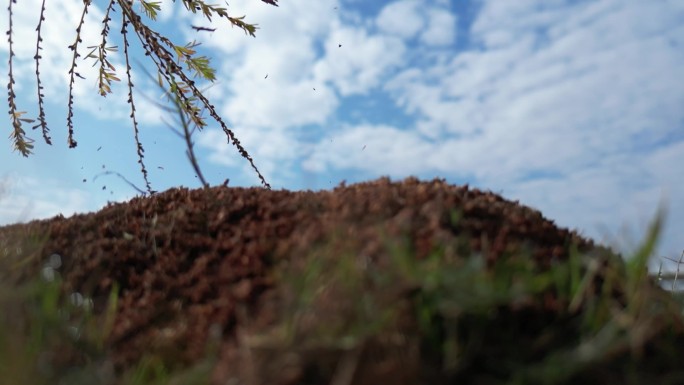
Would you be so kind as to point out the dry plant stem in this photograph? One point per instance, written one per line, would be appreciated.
(139, 147)
(138, 189)
(168, 69)
(187, 134)
(41, 108)
(106, 75)
(72, 74)
(166, 56)
(679, 263)
(21, 142)
(673, 276)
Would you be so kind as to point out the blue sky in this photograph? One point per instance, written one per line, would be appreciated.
(575, 108)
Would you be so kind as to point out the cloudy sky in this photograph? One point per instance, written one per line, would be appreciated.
(575, 108)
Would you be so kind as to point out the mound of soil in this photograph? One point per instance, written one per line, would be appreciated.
(186, 261)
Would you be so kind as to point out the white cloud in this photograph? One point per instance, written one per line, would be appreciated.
(531, 105)
(401, 18)
(290, 77)
(362, 61)
(167, 11)
(386, 149)
(289, 96)
(273, 151)
(292, 23)
(269, 81)
(587, 199)
(25, 198)
(407, 19)
(441, 28)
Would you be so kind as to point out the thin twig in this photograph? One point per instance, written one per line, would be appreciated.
(141, 191)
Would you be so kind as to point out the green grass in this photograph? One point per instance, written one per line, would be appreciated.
(342, 318)
(48, 337)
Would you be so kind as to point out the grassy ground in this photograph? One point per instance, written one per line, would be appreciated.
(590, 319)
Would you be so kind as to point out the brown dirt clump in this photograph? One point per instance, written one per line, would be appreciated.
(186, 261)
